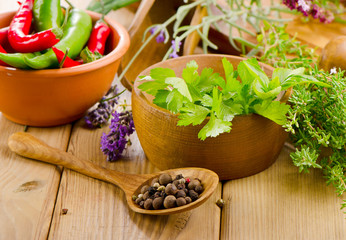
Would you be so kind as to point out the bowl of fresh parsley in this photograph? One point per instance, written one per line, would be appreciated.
(220, 112)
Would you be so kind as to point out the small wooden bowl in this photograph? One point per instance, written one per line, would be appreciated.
(252, 145)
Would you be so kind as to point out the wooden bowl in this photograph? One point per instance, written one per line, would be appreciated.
(252, 145)
(57, 96)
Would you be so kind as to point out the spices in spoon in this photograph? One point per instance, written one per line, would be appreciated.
(169, 192)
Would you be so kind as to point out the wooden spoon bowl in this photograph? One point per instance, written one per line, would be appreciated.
(28, 146)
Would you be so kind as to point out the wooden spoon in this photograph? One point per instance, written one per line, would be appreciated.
(28, 146)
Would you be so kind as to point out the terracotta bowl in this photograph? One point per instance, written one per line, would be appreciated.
(253, 144)
(57, 96)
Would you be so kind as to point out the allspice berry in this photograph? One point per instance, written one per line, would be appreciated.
(199, 189)
(164, 179)
(157, 203)
(171, 189)
(148, 204)
(180, 193)
(181, 201)
(144, 189)
(169, 202)
(141, 204)
(155, 180)
(188, 200)
(146, 195)
(138, 200)
(193, 183)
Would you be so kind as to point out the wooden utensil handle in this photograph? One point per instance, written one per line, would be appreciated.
(26, 145)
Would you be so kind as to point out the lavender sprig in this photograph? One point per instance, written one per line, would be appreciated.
(101, 114)
(114, 143)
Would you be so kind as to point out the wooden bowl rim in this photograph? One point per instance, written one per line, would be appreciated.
(116, 54)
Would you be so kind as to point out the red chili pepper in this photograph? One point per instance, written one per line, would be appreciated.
(61, 56)
(20, 27)
(98, 37)
(2, 50)
(3, 35)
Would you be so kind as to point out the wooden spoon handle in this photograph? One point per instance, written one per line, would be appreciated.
(26, 145)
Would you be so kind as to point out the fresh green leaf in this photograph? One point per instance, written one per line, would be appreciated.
(228, 69)
(190, 73)
(214, 127)
(205, 82)
(293, 80)
(160, 74)
(207, 100)
(249, 70)
(272, 91)
(174, 101)
(152, 87)
(192, 114)
(275, 111)
(161, 98)
(180, 85)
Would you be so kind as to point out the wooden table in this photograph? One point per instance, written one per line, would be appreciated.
(278, 203)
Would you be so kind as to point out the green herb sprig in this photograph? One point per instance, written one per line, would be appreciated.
(199, 96)
(317, 120)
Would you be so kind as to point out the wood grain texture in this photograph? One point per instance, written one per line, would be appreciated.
(27, 189)
(280, 203)
(97, 210)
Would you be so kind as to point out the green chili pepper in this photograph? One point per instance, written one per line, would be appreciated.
(76, 34)
(16, 59)
(47, 14)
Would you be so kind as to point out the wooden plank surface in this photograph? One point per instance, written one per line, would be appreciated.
(281, 203)
(278, 203)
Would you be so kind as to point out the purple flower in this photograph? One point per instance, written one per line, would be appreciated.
(315, 12)
(114, 143)
(152, 30)
(161, 37)
(308, 8)
(101, 114)
(174, 53)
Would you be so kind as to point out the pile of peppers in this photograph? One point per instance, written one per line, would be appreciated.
(43, 35)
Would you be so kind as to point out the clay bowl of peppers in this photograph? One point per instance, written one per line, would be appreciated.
(253, 144)
(50, 97)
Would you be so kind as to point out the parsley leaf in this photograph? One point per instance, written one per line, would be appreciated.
(214, 127)
(275, 111)
(192, 114)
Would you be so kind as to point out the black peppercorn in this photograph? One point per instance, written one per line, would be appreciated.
(178, 176)
(193, 195)
(151, 190)
(180, 193)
